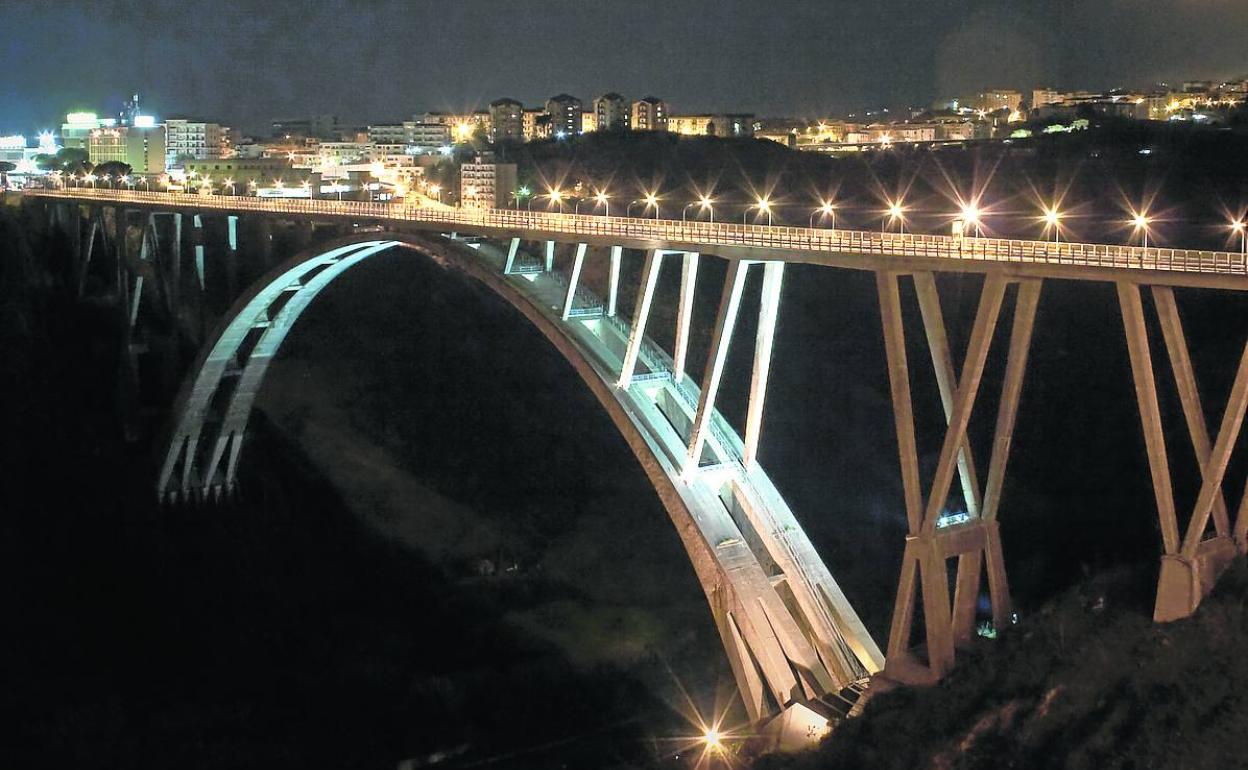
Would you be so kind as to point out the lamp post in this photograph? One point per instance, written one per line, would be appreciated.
(1238, 227)
(826, 209)
(1053, 219)
(649, 200)
(764, 207)
(1141, 222)
(971, 216)
(601, 198)
(895, 213)
(556, 197)
(704, 203)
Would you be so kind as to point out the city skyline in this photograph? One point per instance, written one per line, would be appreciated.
(251, 62)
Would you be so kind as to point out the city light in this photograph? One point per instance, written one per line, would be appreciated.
(1238, 227)
(602, 199)
(1141, 221)
(763, 204)
(971, 216)
(1053, 220)
(713, 740)
(704, 203)
(896, 212)
(826, 209)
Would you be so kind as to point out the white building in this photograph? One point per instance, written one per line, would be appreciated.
(194, 139)
(484, 184)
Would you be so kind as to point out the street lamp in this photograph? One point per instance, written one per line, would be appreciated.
(556, 197)
(971, 216)
(764, 207)
(1238, 227)
(704, 203)
(826, 209)
(649, 200)
(602, 199)
(307, 187)
(1053, 219)
(1141, 221)
(229, 184)
(896, 212)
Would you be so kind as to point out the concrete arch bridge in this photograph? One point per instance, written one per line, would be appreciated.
(797, 648)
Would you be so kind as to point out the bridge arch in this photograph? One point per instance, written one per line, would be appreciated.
(790, 634)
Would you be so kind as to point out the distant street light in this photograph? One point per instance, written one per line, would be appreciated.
(602, 199)
(895, 213)
(1053, 219)
(1238, 227)
(1141, 221)
(704, 203)
(971, 216)
(826, 209)
(764, 207)
(556, 197)
(650, 199)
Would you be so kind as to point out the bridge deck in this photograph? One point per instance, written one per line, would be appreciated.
(854, 249)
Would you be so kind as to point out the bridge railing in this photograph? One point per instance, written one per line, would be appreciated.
(541, 224)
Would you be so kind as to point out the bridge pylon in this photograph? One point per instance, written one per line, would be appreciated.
(1192, 564)
(934, 535)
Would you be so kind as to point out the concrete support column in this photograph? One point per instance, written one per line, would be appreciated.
(637, 332)
(197, 238)
(613, 279)
(513, 248)
(725, 322)
(684, 313)
(768, 311)
(550, 256)
(231, 257)
(575, 276)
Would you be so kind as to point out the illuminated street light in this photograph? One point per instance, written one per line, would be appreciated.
(1238, 227)
(826, 209)
(649, 199)
(764, 207)
(556, 197)
(713, 740)
(1053, 219)
(307, 187)
(704, 203)
(229, 185)
(971, 216)
(602, 199)
(1141, 221)
(896, 212)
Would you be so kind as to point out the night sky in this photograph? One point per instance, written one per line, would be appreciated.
(249, 61)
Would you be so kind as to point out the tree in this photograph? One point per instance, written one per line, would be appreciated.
(113, 168)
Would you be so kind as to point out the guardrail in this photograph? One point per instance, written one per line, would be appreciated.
(542, 224)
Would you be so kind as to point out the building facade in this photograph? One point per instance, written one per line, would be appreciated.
(485, 184)
(565, 115)
(610, 113)
(198, 139)
(506, 120)
(649, 114)
(142, 149)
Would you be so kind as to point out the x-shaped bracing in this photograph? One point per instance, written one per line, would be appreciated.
(975, 541)
(1190, 566)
